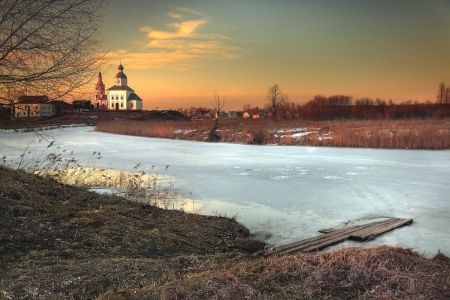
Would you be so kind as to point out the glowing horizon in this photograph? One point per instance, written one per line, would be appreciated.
(180, 53)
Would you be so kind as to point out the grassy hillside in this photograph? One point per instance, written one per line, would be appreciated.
(63, 242)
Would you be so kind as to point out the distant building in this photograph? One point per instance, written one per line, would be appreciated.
(233, 114)
(120, 96)
(31, 106)
(81, 105)
(40, 106)
(101, 99)
(62, 108)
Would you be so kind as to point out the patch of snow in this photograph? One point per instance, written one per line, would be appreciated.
(184, 131)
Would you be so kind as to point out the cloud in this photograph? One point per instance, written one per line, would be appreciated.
(187, 10)
(183, 29)
(181, 46)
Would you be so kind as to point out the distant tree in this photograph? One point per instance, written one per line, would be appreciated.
(276, 98)
(218, 105)
(48, 47)
(246, 107)
(441, 95)
(447, 95)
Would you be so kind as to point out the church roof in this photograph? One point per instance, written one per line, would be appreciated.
(121, 74)
(134, 96)
(120, 88)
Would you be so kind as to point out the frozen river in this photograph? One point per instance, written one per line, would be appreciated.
(283, 193)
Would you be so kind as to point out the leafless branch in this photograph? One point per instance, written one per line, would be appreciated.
(49, 47)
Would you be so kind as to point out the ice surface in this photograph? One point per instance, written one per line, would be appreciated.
(282, 193)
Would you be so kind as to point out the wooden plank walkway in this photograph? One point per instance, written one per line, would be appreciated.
(334, 236)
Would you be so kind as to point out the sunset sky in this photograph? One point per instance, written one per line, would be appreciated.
(180, 53)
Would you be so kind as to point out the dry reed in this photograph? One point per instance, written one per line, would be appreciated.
(350, 273)
(399, 134)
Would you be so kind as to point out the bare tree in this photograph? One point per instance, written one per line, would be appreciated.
(218, 105)
(48, 47)
(276, 98)
(447, 95)
(441, 95)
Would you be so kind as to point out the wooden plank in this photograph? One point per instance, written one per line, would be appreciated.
(334, 236)
(318, 242)
(369, 233)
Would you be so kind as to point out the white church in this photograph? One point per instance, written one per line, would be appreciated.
(118, 97)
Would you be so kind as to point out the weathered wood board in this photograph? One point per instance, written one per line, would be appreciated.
(334, 236)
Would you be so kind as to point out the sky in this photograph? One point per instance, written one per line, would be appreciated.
(181, 53)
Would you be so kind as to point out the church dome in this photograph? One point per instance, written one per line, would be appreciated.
(121, 74)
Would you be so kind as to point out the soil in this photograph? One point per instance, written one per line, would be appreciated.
(53, 234)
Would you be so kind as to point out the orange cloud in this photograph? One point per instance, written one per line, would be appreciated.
(184, 29)
(181, 47)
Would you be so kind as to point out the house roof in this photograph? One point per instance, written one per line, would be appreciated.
(32, 99)
(120, 88)
(60, 104)
(134, 96)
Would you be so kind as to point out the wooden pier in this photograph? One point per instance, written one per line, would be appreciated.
(333, 236)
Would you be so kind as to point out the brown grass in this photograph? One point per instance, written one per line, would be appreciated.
(350, 273)
(403, 134)
(161, 129)
(64, 242)
(411, 134)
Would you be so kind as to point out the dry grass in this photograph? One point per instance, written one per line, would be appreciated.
(411, 134)
(161, 129)
(403, 134)
(351, 273)
(64, 242)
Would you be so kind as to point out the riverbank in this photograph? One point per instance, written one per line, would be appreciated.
(432, 134)
(386, 134)
(64, 242)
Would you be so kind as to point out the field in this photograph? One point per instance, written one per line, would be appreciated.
(397, 134)
(64, 242)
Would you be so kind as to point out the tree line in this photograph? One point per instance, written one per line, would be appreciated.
(345, 107)
(348, 107)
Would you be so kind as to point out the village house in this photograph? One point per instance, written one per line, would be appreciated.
(81, 105)
(61, 107)
(118, 97)
(31, 106)
(40, 106)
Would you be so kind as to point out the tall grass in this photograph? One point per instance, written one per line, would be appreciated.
(394, 134)
(139, 184)
(161, 129)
